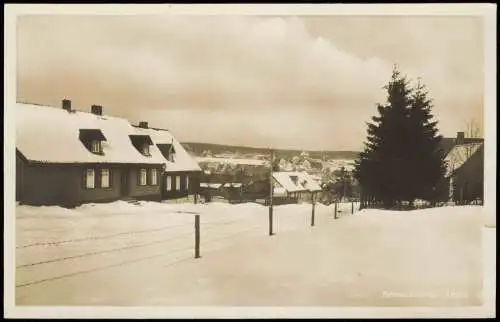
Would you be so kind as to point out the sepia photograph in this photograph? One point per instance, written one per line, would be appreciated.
(251, 160)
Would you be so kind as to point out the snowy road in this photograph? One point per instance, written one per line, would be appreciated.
(122, 254)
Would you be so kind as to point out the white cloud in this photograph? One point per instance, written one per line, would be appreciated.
(271, 70)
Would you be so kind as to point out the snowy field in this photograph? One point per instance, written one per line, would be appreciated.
(121, 254)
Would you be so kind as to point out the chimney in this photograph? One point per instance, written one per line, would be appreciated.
(460, 138)
(96, 109)
(66, 105)
(143, 124)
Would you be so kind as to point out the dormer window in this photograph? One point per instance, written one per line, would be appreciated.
(96, 147)
(168, 151)
(142, 143)
(92, 140)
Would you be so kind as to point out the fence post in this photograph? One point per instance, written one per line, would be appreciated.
(335, 210)
(352, 207)
(271, 221)
(197, 236)
(271, 191)
(312, 215)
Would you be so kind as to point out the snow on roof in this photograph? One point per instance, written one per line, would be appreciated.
(459, 154)
(296, 181)
(51, 135)
(210, 185)
(279, 192)
(232, 161)
(232, 184)
(183, 160)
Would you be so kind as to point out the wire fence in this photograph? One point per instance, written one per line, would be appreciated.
(214, 230)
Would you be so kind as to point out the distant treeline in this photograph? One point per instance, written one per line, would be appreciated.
(199, 148)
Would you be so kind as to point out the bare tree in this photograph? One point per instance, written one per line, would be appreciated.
(472, 129)
(472, 132)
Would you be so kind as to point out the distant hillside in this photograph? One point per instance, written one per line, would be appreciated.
(198, 148)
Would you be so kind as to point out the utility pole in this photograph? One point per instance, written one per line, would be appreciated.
(197, 236)
(271, 191)
(313, 205)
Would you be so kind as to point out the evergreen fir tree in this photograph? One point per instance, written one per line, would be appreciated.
(402, 159)
(427, 160)
(382, 167)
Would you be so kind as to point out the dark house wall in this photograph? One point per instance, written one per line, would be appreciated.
(46, 184)
(149, 192)
(194, 184)
(468, 180)
(82, 194)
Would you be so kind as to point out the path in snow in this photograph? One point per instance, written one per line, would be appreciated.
(120, 254)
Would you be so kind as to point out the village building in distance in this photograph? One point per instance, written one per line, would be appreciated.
(68, 157)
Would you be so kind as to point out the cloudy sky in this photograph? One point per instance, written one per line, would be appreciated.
(284, 82)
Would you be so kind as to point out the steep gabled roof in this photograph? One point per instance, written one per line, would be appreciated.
(302, 183)
(183, 160)
(52, 135)
(459, 155)
(446, 144)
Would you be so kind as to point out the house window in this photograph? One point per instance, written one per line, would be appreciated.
(105, 178)
(187, 183)
(143, 177)
(167, 150)
(169, 183)
(92, 140)
(96, 146)
(177, 183)
(171, 156)
(153, 177)
(145, 149)
(89, 179)
(141, 143)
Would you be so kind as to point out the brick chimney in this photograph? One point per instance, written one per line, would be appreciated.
(96, 109)
(460, 138)
(143, 124)
(66, 105)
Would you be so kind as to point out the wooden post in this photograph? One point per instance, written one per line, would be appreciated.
(196, 236)
(352, 207)
(313, 205)
(335, 210)
(241, 187)
(271, 191)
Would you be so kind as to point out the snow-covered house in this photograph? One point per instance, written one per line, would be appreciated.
(67, 157)
(293, 184)
(181, 175)
(465, 166)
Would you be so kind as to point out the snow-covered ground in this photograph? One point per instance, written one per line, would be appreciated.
(124, 254)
